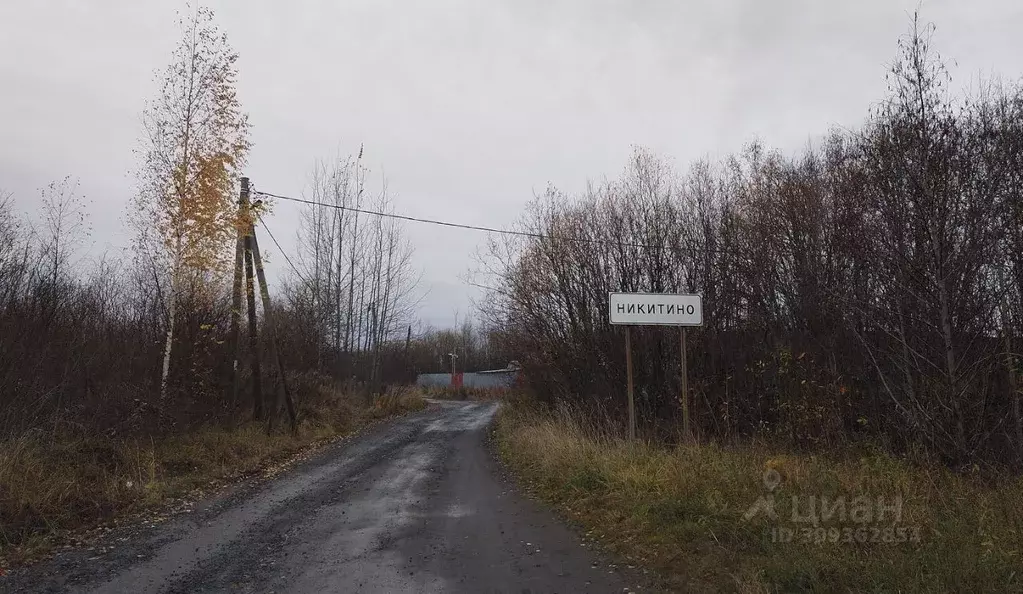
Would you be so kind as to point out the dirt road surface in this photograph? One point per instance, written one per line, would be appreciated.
(414, 505)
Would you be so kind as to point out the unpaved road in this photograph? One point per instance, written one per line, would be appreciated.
(414, 505)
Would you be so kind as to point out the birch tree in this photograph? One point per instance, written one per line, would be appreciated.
(195, 142)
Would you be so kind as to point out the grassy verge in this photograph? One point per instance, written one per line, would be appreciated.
(50, 488)
(465, 393)
(681, 512)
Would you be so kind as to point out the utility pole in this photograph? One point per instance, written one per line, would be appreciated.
(236, 287)
(250, 299)
(408, 339)
(375, 353)
(454, 378)
(283, 396)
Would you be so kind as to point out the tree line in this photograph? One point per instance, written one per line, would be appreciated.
(867, 287)
(141, 343)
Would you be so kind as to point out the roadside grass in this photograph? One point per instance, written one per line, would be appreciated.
(396, 402)
(465, 393)
(679, 511)
(53, 487)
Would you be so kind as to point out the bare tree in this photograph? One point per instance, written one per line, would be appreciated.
(65, 225)
(357, 271)
(869, 285)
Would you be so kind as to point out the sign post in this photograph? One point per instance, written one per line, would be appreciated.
(656, 309)
(685, 389)
(628, 372)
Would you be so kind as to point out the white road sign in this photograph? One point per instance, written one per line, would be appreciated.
(656, 309)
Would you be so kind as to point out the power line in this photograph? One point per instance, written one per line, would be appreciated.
(402, 217)
(283, 253)
(477, 227)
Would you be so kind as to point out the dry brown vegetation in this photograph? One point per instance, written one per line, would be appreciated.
(861, 328)
(52, 488)
(868, 288)
(116, 386)
(466, 393)
(679, 510)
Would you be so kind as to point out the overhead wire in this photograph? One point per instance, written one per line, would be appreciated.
(276, 243)
(477, 227)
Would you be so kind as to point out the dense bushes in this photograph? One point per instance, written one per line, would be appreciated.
(50, 487)
(870, 285)
(79, 341)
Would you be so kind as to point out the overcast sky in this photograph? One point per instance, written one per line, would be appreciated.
(467, 106)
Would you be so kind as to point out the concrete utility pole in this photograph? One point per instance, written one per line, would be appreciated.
(453, 357)
(283, 396)
(236, 287)
(250, 302)
(243, 254)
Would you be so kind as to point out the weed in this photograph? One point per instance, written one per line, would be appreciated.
(681, 511)
(50, 485)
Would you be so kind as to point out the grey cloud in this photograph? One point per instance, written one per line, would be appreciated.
(468, 105)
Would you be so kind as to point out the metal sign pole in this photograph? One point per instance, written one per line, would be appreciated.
(656, 309)
(685, 390)
(628, 370)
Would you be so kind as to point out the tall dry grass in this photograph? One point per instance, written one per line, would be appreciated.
(52, 486)
(680, 510)
(467, 393)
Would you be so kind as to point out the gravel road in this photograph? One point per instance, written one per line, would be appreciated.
(417, 504)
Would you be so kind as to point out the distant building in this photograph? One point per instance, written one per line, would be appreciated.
(491, 378)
